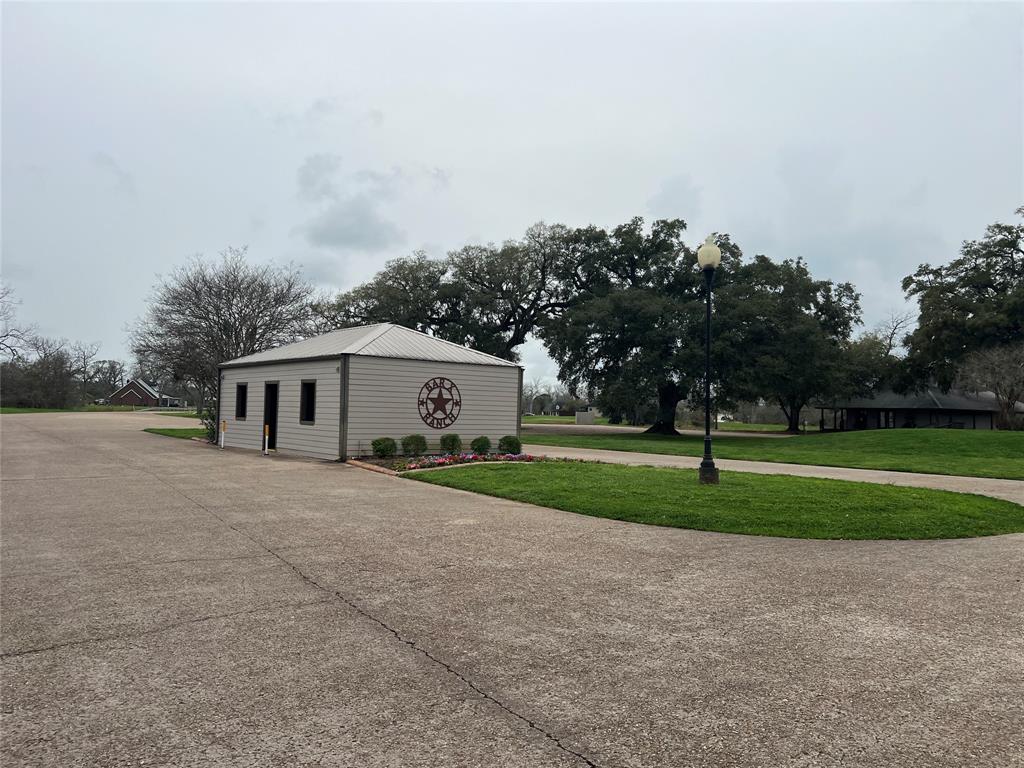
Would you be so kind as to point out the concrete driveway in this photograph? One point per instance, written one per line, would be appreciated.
(169, 604)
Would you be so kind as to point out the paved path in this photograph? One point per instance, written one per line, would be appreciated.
(1011, 490)
(168, 604)
(605, 429)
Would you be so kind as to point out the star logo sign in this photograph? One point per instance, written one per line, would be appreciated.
(439, 403)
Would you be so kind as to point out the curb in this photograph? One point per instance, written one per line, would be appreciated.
(372, 467)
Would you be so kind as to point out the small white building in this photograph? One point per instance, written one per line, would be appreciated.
(330, 396)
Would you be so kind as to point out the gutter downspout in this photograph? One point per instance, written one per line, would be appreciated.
(220, 376)
(343, 414)
(519, 406)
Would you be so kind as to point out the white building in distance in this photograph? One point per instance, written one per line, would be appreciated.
(330, 396)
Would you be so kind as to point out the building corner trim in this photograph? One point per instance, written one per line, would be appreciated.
(343, 415)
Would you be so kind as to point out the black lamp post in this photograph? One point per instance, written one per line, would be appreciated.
(708, 257)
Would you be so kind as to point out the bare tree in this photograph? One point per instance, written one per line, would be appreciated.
(532, 389)
(893, 330)
(205, 313)
(14, 339)
(999, 370)
(82, 356)
(107, 376)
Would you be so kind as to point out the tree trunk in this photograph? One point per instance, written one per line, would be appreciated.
(792, 413)
(1007, 403)
(665, 421)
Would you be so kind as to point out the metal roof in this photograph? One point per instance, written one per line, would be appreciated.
(380, 340)
(931, 399)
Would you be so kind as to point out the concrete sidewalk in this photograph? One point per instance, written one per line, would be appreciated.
(169, 604)
(618, 429)
(1011, 490)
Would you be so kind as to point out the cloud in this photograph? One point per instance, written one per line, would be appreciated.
(677, 198)
(374, 117)
(440, 178)
(382, 186)
(351, 217)
(352, 223)
(316, 177)
(321, 109)
(124, 183)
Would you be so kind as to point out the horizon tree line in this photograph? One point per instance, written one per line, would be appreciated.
(618, 309)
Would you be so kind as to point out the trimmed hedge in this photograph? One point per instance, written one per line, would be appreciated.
(451, 443)
(384, 447)
(481, 444)
(510, 444)
(414, 445)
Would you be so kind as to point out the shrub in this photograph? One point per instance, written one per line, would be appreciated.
(510, 444)
(481, 444)
(384, 447)
(209, 417)
(451, 443)
(414, 445)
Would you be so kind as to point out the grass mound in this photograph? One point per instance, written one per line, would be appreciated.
(763, 505)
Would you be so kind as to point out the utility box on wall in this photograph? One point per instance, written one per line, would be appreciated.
(330, 396)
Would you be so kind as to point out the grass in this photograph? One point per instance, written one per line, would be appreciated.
(84, 409)
(975, 453)
(11, 409)
(762, 505)
(739, 426)
(559, 420)
(187, 433)
(724, 426)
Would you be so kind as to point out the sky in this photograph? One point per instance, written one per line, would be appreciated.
(867, 138)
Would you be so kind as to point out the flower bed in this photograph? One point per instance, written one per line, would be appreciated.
(450, 460)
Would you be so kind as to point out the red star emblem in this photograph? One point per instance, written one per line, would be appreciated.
(440, 403)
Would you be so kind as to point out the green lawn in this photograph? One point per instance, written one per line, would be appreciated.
(725, 426)
(82, 409)
(976, 453)
(559, 419)
(184, 433)
(739, 426)
(763, 505)
(11, 409)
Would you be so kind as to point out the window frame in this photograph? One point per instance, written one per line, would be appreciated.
(245, 412)
(302, 402)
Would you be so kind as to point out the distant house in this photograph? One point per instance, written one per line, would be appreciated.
(138, 393)
(930, 408)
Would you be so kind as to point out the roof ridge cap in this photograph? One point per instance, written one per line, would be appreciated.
(373, 336)
(463, 347)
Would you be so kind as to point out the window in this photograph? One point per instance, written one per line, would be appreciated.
(307, 403)
(241, 400)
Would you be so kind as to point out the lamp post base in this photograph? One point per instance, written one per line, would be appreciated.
(708, 475)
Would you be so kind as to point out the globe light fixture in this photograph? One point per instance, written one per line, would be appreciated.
(709, 256)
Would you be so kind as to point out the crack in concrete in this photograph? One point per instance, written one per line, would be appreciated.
(334, 594)
(156, 630)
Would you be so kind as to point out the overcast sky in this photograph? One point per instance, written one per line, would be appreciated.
(866, 138)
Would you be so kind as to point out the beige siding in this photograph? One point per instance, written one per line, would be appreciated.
(383, 396)
(319, 440)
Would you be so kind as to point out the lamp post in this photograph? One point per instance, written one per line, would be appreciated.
(708, 257)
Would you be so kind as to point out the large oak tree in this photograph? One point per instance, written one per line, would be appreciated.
(973, 303)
